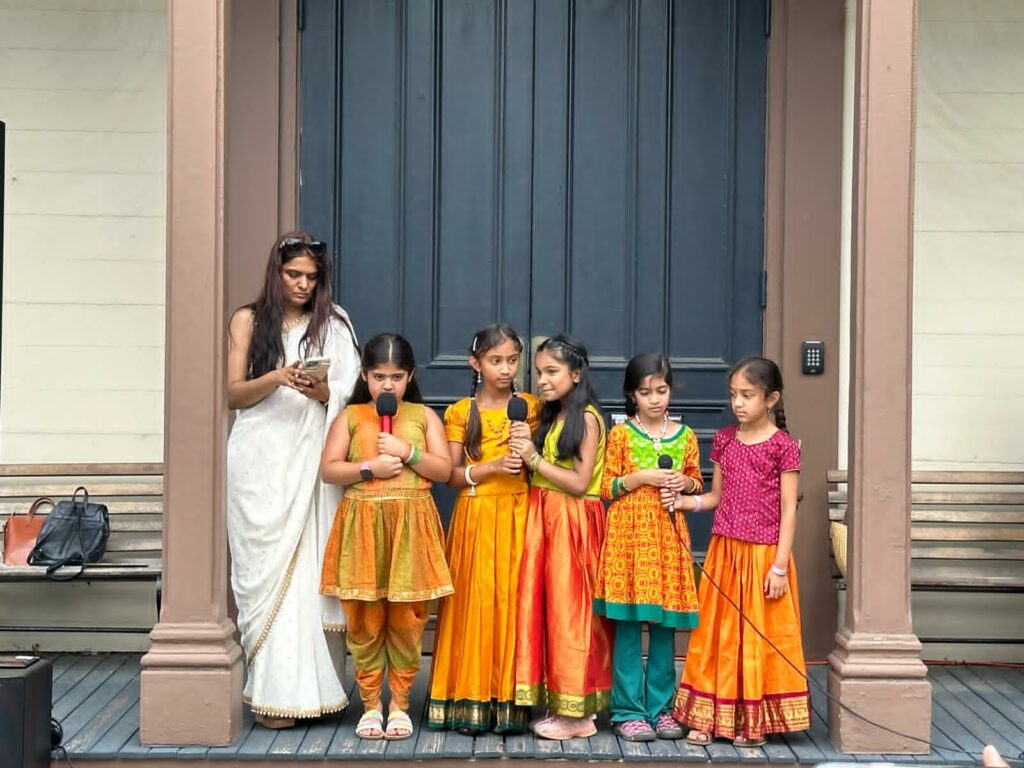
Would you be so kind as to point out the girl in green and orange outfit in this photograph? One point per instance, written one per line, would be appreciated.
(646, 572)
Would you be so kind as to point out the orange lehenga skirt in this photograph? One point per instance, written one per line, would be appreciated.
(563, 649)
(473, 674)
(734, 684)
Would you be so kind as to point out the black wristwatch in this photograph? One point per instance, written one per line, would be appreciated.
(365, 472)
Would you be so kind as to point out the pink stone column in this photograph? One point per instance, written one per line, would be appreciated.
(192, 675)
(876, 667)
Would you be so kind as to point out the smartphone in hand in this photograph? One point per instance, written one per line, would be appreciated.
(316, 367)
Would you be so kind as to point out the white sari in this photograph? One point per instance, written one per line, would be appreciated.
(279, 517)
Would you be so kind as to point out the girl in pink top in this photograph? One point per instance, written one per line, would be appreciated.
(735, 685)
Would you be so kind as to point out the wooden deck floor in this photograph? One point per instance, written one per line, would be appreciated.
(96, 697)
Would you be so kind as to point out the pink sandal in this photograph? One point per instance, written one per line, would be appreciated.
(635, 730)
(558, 727)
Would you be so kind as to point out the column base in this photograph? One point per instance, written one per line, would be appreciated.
(882, 678)
(191, 687)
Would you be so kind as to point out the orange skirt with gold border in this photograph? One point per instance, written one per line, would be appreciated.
(735, 685)
(563, 649)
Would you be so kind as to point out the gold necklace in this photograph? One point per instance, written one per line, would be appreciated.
(287, 326)
(656, 440)
(501, 428)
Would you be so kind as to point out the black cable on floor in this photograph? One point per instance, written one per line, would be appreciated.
(1011, 761)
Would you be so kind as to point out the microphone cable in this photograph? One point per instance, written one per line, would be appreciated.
(1011, 761)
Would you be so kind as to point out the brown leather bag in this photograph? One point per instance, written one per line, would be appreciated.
(20, 532)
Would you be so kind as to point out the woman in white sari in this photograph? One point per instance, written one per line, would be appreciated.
(279, 514)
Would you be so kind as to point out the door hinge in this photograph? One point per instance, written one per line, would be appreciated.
(764, 288)
(767, 18)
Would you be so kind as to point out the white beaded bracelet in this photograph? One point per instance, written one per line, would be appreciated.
(779, 571)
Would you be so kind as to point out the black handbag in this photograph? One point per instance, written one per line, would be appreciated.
(75, 533)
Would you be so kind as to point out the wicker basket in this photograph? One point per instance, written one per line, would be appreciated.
(837, 532)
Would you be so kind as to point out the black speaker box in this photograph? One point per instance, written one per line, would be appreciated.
(25, 709)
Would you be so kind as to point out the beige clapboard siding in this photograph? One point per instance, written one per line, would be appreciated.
(969, 238)
(83, 93)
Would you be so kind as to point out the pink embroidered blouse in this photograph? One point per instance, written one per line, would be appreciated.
(750, 508)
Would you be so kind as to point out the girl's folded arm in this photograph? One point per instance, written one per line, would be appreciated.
(577, 479)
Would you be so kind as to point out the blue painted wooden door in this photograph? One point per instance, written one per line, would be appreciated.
(595, 166)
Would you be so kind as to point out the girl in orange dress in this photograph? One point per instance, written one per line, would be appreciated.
(563, 650)
(473, 682)
(385, 556)
(735, 685)
(646, 569)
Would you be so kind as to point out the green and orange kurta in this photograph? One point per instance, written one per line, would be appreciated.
(646, 569)
(646, 572)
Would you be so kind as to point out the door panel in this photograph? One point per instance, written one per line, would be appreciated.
(595, 166)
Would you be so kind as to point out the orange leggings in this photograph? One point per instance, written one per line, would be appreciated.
(381, 631)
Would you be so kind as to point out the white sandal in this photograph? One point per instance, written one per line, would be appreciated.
(398, 721)
(372, 720)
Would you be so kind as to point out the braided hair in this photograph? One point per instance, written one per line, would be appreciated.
(485, 339)
(764, 373)
(569, 350)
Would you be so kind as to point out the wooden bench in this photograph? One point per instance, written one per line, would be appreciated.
(133, 494)
(966, 531)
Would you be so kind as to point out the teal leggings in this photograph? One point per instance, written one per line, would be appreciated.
(636, 695)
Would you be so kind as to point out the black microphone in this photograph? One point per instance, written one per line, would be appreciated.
(517, 409)
(387, 407)
(665, 462)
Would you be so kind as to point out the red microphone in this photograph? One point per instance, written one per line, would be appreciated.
(387, 407)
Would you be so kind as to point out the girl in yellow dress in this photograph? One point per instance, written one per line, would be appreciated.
(646, 568)
(563, 650)
(473, 683)
(385, 556)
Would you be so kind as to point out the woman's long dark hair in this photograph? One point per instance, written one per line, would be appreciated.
(570, 351)
(382, 349)
(638, 369)
(486, 338)
(266, 350)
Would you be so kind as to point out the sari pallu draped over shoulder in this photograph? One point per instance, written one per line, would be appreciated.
(279, 515)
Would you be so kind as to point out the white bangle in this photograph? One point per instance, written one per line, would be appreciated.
(698, 503)
(469, 477)
(779, 571)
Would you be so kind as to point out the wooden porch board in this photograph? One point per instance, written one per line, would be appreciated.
(97, 699)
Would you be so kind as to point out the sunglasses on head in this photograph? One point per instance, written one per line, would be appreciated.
(290, 244)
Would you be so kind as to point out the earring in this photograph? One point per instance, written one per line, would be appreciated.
(479, 378)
